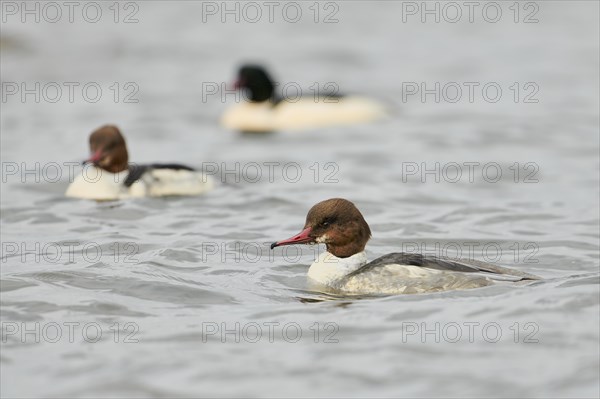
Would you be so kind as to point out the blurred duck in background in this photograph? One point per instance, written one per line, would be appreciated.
(111, 177)
(265, 111)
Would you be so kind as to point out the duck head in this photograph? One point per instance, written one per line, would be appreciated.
(256, 81)
(108, 150)
(338, 224)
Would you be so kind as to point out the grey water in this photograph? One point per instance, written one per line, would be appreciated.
(181, 297)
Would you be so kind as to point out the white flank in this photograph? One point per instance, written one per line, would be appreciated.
(303, 114)
(333, 272)
(98, 184)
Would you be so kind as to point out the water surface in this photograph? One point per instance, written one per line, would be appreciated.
(167, 286)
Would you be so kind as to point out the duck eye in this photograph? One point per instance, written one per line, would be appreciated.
(326, 222)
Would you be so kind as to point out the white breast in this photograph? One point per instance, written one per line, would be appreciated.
(302, 114)
(98, 184)
(327, 269)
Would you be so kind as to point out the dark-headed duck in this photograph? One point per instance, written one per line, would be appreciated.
(265, 111)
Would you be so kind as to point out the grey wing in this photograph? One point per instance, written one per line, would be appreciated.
(135, 173)
(445, 264)
(494, 269)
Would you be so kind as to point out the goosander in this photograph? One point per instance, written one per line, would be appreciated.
(111, 177)
(267, 112)
(339, 225)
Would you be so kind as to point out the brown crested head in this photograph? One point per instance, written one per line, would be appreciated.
(108, 149)
(338, 224)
